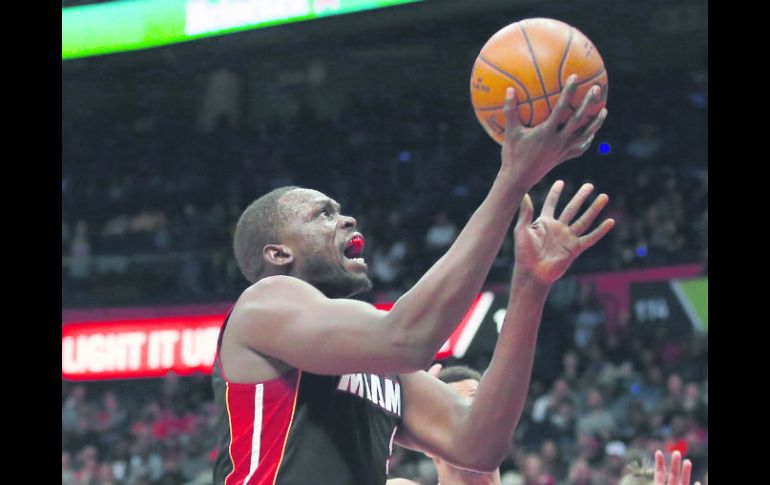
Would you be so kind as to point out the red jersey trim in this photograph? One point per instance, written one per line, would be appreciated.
(260, 417)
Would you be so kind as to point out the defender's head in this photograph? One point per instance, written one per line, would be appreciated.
(462, 379)
(300, 232)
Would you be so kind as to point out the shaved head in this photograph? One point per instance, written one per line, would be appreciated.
(259, 225)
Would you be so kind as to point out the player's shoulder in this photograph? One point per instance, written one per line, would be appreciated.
(276, 287)
(271, 297)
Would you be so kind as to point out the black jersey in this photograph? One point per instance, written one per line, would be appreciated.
(304, 428)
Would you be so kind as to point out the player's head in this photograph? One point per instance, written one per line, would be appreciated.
(462, 379)
(300, 232)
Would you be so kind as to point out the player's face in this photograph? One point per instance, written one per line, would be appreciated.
(466, 389)
(328, 250)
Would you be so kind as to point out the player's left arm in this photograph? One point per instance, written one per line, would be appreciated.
(478, 436)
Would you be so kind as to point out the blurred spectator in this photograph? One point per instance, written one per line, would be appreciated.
(67, 475)
(588, 315)
(597, 420)
(88, 460)
(105, 476)
(551, 414)
(80, 253)
(533, 471)
(388, 257)
(72, 407)
(553, 461)
(172, 473)
(672, 402)
(580, 473)
(111, 417)
(548, 403)
(614, 464)
(646, 144)
(145, 462)
(635, 422)
(441, 234)
(221, 102)
(571, 368)
(386, 262)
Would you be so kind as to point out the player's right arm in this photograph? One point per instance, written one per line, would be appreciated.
(289, 320)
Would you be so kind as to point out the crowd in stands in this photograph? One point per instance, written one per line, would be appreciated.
(150, 195)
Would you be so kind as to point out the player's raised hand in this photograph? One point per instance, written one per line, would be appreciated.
(674, 475)
(547, 247)
(530, 153)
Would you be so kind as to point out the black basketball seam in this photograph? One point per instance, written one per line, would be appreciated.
(513, 78)
(537, 68)
(505, 73)
(490, 108)
(564, 57)
(592, 76)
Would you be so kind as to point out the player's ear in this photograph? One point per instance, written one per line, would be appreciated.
(277, 254)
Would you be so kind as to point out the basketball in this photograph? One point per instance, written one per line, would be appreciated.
(535, 57)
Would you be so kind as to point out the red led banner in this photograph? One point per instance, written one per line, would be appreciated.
(185, 345)
(151, 347)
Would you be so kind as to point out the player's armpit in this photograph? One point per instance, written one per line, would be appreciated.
(434, 416)
(290, 320)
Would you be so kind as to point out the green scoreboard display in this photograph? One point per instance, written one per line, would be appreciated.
(129, 25)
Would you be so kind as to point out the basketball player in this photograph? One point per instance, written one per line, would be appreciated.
(314, 388)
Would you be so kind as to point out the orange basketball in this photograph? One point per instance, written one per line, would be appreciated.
(535, 57)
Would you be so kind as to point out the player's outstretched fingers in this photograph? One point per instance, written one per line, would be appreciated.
(591, 129)
(575, 204)
(659, 476)
(686, 472)
(587, 218)
(579, 119)
(586, 136)
(562, 108)
(549, 206)
(526, 211)
(673, 473)
(511, 111)
(593, 237)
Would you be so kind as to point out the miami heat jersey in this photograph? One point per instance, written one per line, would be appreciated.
(303, 428)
